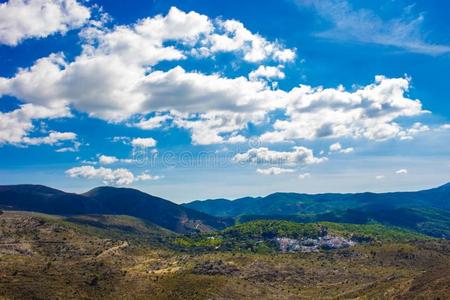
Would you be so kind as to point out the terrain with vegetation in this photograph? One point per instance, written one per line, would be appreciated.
(109, 200)
(122, 243)
(426, 211)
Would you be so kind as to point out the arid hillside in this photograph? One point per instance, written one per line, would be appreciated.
(87, 257)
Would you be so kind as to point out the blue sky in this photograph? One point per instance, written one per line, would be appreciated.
(206, 99)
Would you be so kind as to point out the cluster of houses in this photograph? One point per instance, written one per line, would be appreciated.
(313, 244)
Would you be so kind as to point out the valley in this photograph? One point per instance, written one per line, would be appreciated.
(117, 256)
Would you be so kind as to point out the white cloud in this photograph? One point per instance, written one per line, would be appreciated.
(274, 171)
(304, 175)
(147, 176)
(285, 55)
(119, 176)
(401, 171)
(143, 142)
(234, 37)
(191, 92)
(22, 19)
(364, 25)
(336, 147)
(107, 160)
(110, 79)
(369, 112)
(115, 79)
(108, 176)
(262, 155)
(210, 127)
(53, 138)
(236, 139)
(17, 125)
(142, 44)
(267, 72)
(153, 122)
(347, 150)
(113, 89)
(379, 177)
(409, 133)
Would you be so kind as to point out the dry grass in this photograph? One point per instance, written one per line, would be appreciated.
(84, 263)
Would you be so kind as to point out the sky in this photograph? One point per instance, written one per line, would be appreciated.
(199, 99)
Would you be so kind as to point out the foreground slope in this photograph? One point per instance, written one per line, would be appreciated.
(108, 200)
(115, 257)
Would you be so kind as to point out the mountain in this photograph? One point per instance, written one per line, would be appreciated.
(40, 198)
(109, 201)
(294, 203)
(162, 212)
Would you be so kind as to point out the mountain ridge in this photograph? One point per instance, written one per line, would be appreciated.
(108, 200)
(300, 203)
(445, 185)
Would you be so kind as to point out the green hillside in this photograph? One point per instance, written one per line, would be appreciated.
(435, 223)
(259, 236)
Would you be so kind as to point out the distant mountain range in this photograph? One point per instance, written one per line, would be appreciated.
(426, 211)
(109, 201)
(294, 203)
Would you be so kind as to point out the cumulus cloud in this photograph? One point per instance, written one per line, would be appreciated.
(218, 127)
(152, 123)
(379, 177)
(147, 176)
(409, 133)
(115, 78)
(109, 160)
(274, 171)
(232, 36)
(119, 176)
(53, 138)
(17, 125)
(262, 155)
(143, 142)
(110, 79)
(369, 112)
(236, 139)
(336, 147)
(401, 172)
(267, 72)
(142, 43)
(347, 150)
(21, 19)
